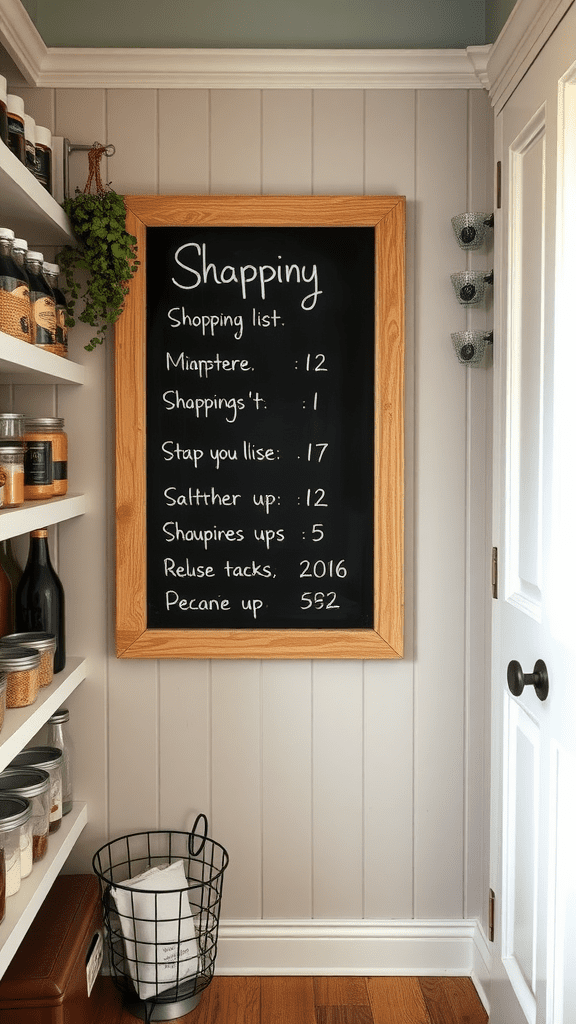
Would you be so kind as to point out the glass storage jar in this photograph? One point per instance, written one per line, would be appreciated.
(34, 785)
(44, 643)
(12, 471)
(22, 668)
(46, 435)
(12, 425)
(58, 736)
(2, 698)
(50, 759)
(14, 813)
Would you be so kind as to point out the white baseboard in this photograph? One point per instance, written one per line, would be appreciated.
(353, 948)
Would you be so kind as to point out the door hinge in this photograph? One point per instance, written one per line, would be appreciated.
(494, 572)
(491, 913)
(499, 185)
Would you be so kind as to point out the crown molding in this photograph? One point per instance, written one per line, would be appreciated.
(138, 68)
(528, 28)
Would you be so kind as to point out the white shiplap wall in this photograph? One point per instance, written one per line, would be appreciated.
(343, 790)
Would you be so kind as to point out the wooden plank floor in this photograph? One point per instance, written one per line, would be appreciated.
(281, 1000)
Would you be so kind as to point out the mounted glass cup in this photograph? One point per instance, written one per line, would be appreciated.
(470, 285)
(470, 228)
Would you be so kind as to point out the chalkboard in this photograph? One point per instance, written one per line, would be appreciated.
(250, 362)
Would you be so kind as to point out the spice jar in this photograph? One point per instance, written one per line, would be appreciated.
(58, 736)
(14, 813)
(30, 143)
(3, 111)
(50, 759)
(44, 156)
(46, 467)
(16, 140)
(44, 643)
(12, 471)
(51, 272)
(34, 785)
(22, 668)
(15, 308)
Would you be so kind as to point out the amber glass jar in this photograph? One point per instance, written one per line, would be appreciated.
(12, 471)
(45, 436)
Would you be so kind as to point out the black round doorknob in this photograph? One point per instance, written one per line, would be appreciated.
(517, 680)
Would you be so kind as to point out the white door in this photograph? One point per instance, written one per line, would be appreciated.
(534, 741)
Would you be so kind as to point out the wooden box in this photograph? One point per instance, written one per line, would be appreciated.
(46, 982)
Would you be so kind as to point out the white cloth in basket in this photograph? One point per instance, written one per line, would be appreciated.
(158, 928)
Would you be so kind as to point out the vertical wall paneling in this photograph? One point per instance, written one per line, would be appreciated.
(287, 809)
(184, 737)
(440, 473)
(388, 689)
(287, 141)
(183, 141)
(237, 781)
(337, 793)
(133, 130)
(236, 141)
(338, 788)
(338, 140)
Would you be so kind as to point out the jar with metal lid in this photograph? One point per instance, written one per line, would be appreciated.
(51, 273)
(34, 785)
(46, 456)
(58, 736)
(15, 308)
(11, 471)
(50, 759)
(44, 156)
(16, 143)
(3, 110)
(15, 812)
(22, 668)
(45, 643)
(12, 425)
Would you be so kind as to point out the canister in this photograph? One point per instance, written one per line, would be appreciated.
(30, 143)
(59, 736)
(34, 785)
(12, 425)
(12, 471)
(45, 436)
(44, 156)
(2, 698)
(44, 643)
(3, 111)
(16, 141)
(50, 759)
(14, 813)
(22, 668)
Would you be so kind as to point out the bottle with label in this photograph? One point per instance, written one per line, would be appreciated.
(14, 292)
(6, 602)
(3, 111)
(58, 735)
(40, 597)
(51, 272)
(16, 139)
(43, 304)
(13, 570)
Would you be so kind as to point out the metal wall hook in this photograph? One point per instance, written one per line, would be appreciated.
(73, 147)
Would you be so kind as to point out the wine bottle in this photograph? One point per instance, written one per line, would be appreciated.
(13, 570)
(40, 597)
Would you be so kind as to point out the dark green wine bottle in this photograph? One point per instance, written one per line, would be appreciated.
(40, 597)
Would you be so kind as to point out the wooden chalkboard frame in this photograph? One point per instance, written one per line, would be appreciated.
(386, 214)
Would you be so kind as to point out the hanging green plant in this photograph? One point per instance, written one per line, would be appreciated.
(106, 251)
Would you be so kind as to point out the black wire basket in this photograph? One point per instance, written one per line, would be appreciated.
(161, 895)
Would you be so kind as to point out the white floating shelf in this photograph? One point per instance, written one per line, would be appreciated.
(35, 515)
(28, 364)
(21, 724)
(21, 909)
(28, 208)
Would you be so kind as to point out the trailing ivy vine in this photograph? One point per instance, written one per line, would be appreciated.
(106, 252)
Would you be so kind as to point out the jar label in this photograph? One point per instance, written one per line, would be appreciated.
(38, 464)
(60, 470)
(44, 166)
(44, 313)
(15, 308)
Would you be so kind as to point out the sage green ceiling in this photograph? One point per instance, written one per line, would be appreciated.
(269, 23)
